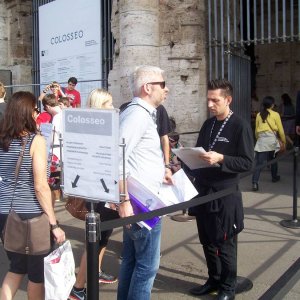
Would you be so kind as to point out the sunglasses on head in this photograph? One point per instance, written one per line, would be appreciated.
(161, 83)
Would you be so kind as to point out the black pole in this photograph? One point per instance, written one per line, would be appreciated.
(295, 191)
(92, 223)
(295, 222)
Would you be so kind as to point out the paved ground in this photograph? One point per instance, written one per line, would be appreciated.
(266, 249)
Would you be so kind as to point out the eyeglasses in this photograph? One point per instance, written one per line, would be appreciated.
(161, 83)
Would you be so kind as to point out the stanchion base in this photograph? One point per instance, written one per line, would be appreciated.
(243, 285)
(182, 218)
(290, 223)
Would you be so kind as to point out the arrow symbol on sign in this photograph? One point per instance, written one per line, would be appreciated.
(74, 184)
(104, 186)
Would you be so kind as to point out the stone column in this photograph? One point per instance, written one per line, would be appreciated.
(138, 41)
(20, 59)
(3, 36)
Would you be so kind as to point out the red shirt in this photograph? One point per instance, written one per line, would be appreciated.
(74, 97)
(43, 117)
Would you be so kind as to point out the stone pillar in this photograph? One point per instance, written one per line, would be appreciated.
(15, 39)
(138, 40)
(3, 35)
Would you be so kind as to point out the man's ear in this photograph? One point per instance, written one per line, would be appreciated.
(146, 88)
(229, 99)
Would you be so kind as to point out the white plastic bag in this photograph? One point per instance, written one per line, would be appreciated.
(59, 273)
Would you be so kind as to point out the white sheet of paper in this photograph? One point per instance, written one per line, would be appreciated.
(182, 190)
(190, 156)
(147, 197)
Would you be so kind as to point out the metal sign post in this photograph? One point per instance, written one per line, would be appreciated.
(91, 171)
(295, 222)
(92, 233)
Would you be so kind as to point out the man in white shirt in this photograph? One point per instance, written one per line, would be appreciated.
(143, 160)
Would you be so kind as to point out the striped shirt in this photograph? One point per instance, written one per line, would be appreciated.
(24, 198)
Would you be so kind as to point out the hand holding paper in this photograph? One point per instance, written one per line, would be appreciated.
(193, 157)
(212, 157)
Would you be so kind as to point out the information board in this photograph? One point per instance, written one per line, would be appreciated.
(70, 43)
(91, 154)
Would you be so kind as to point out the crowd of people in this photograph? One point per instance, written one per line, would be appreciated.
(150, 136)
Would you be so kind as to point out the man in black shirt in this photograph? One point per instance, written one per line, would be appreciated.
(228, 142)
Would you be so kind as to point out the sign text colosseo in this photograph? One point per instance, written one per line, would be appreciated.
(70, 43)
(91, 154)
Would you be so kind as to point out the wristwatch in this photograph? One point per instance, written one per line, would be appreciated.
(54, 226)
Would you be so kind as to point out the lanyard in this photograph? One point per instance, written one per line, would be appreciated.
(211, 145)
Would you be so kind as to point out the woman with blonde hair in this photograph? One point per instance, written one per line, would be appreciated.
(97, 99)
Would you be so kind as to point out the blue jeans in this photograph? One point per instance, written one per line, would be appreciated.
(260, 158)
(140, 263)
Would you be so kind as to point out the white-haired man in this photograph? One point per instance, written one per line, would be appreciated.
(144, 160)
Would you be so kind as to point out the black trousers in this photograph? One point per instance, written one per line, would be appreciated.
(221, 263)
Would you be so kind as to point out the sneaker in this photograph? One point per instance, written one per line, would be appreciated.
(107, 278)
(77, 295)
(254, 187)
(276, 178)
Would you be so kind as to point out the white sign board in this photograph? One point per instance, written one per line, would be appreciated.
(70, 43)
(91, 153)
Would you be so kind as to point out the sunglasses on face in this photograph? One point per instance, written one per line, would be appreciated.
(161, 83)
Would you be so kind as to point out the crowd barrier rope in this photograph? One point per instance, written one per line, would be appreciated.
(185, 205)
(94, 226)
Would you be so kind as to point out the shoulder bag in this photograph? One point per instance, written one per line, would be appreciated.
(30, 236)
(76, 206)
(281, 145)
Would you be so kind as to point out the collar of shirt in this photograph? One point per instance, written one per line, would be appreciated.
(152, 111)
(146, 105)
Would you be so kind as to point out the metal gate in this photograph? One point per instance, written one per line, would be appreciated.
(107, 38)
(236, 25)
(239, 76)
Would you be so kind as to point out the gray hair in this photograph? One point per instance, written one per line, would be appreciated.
(142, 75)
